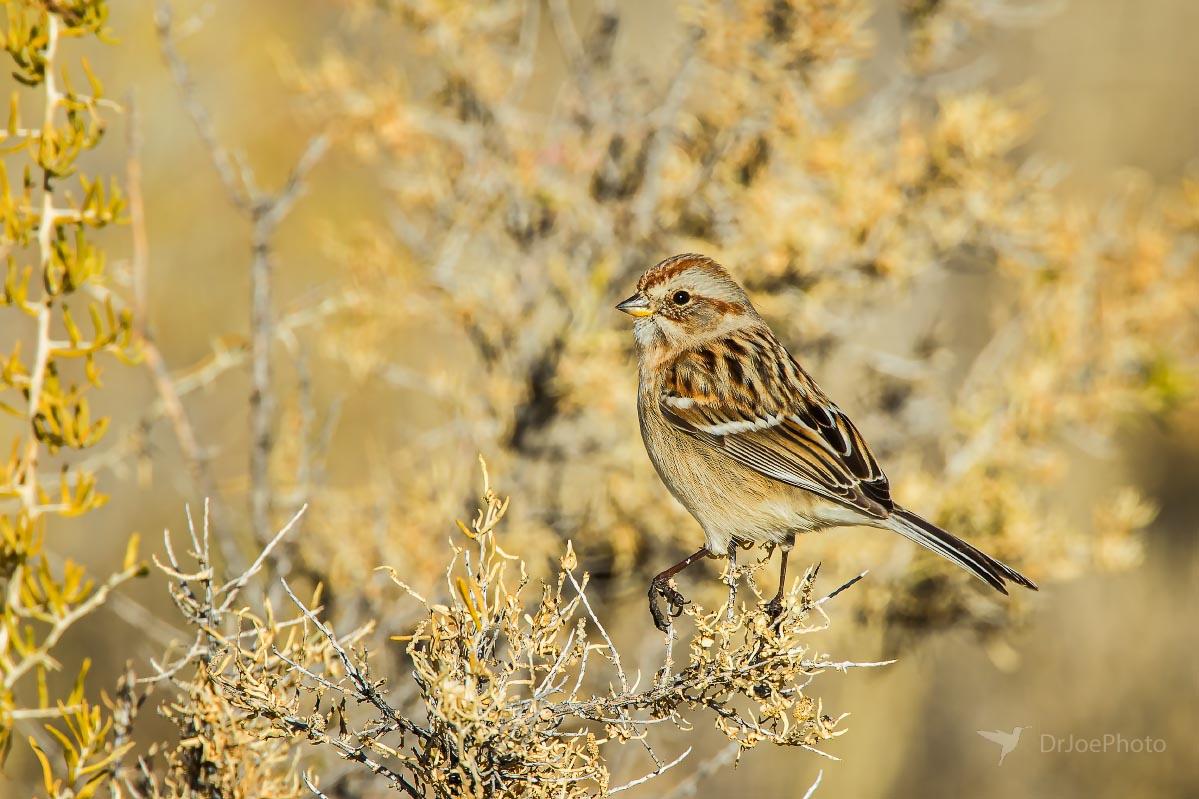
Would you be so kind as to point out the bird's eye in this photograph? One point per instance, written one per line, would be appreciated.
(681, 298)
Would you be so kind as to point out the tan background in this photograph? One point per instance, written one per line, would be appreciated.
(1101, 655)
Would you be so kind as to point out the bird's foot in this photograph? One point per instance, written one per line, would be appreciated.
(675, 602)
(774, 609)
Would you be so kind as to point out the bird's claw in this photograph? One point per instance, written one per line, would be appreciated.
(675, 602)
(774, 609)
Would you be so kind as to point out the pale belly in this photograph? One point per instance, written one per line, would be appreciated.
(730, 501)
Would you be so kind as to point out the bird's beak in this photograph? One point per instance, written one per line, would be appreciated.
(636, 306)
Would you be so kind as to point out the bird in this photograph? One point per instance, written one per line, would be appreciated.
(1007, 740)
(745, 440)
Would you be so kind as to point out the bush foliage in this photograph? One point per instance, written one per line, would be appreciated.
(533, 158)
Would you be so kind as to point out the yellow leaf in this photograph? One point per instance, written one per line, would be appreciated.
(72, 329)
(69, 752)
(92, 785)
(131, 552)
(104, 761)
(47, 772)
(93, 81)
(14, 114)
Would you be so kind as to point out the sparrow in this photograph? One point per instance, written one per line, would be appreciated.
(743, 437)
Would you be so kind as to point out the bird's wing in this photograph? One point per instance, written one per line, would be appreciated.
(995, 736)
(747, 397)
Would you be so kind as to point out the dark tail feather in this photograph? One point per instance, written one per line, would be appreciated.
(948, 545)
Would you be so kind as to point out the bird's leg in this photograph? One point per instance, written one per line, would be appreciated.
(732, 579)
(660, 587)
(774, 608)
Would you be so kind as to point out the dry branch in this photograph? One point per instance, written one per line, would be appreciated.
(509, 698)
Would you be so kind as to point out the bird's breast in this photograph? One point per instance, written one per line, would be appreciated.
(730, 501)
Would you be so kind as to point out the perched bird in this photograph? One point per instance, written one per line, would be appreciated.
(746, 440)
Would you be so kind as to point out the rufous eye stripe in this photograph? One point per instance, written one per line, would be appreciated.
(725, 308)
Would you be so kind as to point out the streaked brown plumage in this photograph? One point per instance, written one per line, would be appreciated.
(746, 440)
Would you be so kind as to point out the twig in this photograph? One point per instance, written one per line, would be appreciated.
(316, 791)
(266, 211)
(238, 184)
(852, 581)
(812, 790)
(232, 587)
(203, 374)
(366, 689)
(655, 773)
(354, 753)
(624, 682)
(45, 231)
(663, 120)
(37, 713)
(572, 48)
(821, 752)
(65, 622)
(709, 767)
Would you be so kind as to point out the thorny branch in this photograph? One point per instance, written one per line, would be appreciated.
(267, 213)
(510, 698)
(45, 241)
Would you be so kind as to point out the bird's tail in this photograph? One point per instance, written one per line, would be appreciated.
(948, 545)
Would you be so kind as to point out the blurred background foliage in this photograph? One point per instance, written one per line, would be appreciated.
(974, 221)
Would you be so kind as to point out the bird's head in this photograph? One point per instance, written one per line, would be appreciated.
(686, 300)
